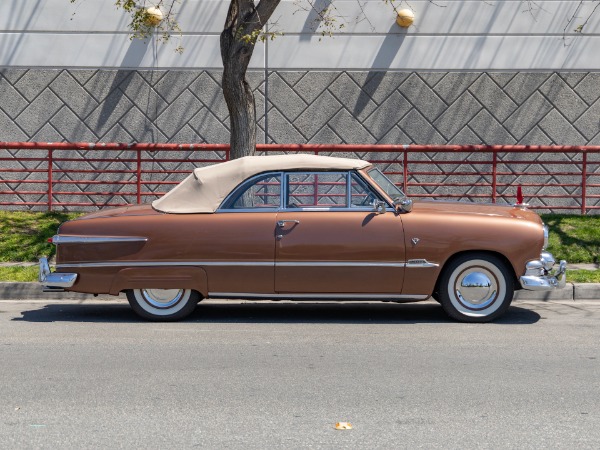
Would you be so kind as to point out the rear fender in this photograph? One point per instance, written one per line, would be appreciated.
(171, 277)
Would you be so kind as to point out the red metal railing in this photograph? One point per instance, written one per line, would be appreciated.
(82, 175)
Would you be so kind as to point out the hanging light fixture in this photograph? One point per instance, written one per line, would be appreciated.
(405, 17)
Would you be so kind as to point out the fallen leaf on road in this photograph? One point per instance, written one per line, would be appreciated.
(343, 426)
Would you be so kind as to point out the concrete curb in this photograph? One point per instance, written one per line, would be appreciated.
(33, 291)
(572, 291)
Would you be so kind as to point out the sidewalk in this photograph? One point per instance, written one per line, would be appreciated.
(583, 266)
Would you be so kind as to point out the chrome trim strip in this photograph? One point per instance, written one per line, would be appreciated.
(338, 264)
(420, 263)
(317, 296)
(62, 239)
(164, 263)
(233, 263)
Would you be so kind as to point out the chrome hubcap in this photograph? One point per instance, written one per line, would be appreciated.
(162, 298)
(476, 288)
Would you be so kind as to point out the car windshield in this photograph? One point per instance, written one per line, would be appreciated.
(385, 184)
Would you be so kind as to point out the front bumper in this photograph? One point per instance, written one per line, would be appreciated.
(53, 281)
(539, 276)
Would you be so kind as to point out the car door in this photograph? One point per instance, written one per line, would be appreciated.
(242, 239)
(329, 238)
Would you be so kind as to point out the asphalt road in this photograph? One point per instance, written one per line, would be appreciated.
(280, 375)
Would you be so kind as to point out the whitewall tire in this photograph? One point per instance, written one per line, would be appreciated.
(476, 287)
(163, 304)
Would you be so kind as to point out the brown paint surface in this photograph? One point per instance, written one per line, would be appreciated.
(443, 229)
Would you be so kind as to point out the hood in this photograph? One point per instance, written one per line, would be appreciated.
(477, 209)
(134, 210)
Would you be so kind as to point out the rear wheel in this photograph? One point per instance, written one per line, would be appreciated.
(476, 288)
(163, 304)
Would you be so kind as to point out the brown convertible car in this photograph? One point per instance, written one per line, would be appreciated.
(303, 227)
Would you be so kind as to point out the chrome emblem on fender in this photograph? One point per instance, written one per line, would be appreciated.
(415, 241)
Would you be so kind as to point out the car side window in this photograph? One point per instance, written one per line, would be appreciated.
(261, 192)
(360, 194)
(317, 189)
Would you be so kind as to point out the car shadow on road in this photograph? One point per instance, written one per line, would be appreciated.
(272, 312)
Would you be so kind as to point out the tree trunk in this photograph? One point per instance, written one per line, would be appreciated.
(244, 22)
(239, 99)
(242, 111)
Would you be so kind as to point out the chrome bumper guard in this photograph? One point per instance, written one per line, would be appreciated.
(538, 275)
(53, 281)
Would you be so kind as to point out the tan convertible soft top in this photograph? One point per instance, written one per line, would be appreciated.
(206, 188)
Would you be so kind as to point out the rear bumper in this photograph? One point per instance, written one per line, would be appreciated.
(53, 281)
(539, 276)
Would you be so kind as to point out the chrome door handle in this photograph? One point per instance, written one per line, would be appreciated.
(281, 223)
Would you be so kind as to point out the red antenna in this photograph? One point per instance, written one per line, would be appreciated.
(519, 195)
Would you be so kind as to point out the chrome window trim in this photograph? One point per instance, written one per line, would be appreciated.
(329, 209)
(249, 210)
(314, 172)
(376, 169)
(284, 193)
(373, 190)
(323, 296)
(364, 184)
(348, 206)
(65, 239)
(349, 189)
(248, 181)
(311, 209)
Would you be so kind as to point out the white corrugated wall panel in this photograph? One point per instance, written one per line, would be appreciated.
(447, 35)
(435, 53)
(111, 51)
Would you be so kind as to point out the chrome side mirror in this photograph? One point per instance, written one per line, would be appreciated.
(378, 206)
(404, 205)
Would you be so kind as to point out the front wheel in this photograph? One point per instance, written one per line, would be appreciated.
(476, 288)
(163, 304)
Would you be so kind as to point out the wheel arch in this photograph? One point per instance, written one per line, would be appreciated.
(457, 255)
(168, 277)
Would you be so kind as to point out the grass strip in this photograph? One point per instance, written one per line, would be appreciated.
(24, 235)
(574, 238)
(583, 276)
(19, 273)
